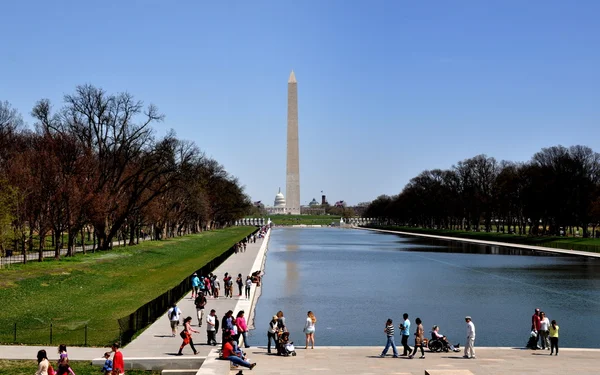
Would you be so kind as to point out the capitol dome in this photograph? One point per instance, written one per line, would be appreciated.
(279, 199)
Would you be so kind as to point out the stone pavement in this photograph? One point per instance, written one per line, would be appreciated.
(365, 361)
(156, 340)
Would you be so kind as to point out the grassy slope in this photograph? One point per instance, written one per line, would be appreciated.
(304, 219)
(568, 243)
(97, 289)
(79, 367)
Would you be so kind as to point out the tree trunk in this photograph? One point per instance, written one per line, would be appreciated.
(41, 247)
(82, 241)
(24, 248)
(57, 244)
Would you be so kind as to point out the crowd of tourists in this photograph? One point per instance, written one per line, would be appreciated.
(544, 333)
(114, 366)
(421, 342)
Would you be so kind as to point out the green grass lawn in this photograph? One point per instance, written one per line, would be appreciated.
(567, 243)
(13, 367)
(95, 290)
(303, 219)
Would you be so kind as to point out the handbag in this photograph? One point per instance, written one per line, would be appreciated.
(183, 334)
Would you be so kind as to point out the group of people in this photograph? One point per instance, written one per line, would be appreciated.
(211, 285)
(420, 340)
(278, 332)
(544, 333)
(240, 247)
(116, 366)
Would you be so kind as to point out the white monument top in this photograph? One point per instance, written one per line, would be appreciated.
(292, 78)
(279, 199)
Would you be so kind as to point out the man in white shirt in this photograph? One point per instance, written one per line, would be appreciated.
(174, 314)
(211, 331)
(469, 350)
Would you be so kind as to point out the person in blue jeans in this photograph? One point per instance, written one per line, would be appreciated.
(389, 331)
(232, 356)
(405, 327)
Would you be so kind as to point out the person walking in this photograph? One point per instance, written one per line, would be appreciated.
(240, 283)
(309, 329)
(272, 333)
(195, 285)
(229, 286)
(553, 333)
(208, 286)
(242, 328)
(226, 279)
(186, 335)
(216, 284)
(389, 331)
(226, 325)
(419, 340)
(118, 362)
(108, 364)
(470, 346)
(536, 324)
(43, 363)
(405, 330)
(248, 286)
(543, 332)
(200, 302)
(63, 356)
(174, 314)
(211, 328)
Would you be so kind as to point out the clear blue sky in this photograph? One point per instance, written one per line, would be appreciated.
(386, 88)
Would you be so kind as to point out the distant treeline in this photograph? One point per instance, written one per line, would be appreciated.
(559, 188)
(95, 166)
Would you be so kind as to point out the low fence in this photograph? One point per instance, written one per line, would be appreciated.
(73, 333)
(33, 256)
(151, 311)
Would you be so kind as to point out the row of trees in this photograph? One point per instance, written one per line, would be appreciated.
(557, 189)
(95, 166)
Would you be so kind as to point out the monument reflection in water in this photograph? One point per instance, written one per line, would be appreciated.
(354, 280)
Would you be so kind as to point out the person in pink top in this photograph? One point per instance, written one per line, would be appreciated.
(240, 322)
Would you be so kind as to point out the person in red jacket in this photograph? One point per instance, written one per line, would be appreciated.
(229, 354)
(118, 363)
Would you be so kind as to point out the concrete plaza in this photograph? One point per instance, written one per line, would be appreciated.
(365, 361)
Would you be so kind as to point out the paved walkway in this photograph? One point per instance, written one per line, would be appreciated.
(366, 361)
(156, 340)
(492, 243)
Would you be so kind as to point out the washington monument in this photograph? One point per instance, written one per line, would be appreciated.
(292, 189)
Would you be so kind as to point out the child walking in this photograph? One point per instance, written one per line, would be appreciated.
(108, 364)
(554, 337)
(389, 331)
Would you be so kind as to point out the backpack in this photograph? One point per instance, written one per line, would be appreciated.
(173, 314)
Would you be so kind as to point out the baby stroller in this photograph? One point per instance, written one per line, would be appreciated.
(285, 347)
(532, 343)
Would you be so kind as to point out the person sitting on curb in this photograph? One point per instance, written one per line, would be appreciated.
(229, 353)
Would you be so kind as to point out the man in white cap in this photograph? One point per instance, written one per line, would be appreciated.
(469, 350)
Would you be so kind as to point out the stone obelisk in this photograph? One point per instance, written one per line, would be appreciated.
(292, 189)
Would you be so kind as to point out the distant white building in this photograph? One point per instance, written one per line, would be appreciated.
(278, 206)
